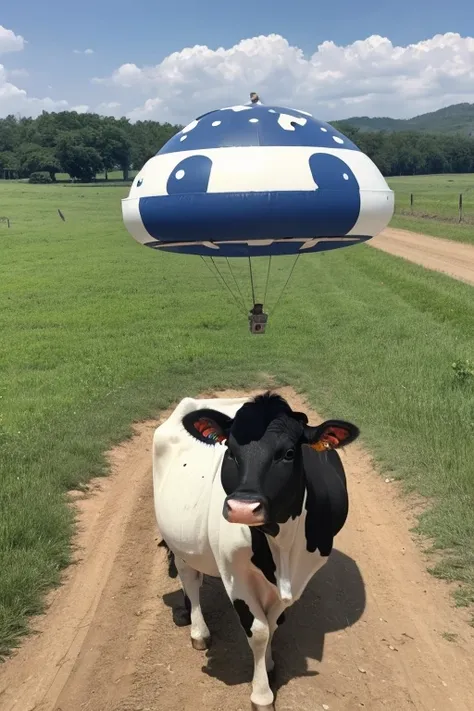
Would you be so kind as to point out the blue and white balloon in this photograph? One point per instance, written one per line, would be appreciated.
(257, 180)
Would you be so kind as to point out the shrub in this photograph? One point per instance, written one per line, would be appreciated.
(40, 177)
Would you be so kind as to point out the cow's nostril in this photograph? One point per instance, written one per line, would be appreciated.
(245, 511)
(253, 506)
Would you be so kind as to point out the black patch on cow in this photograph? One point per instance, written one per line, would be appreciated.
(317, 525)
(281, 619)
(295, 507)
(327, 502)
(271, 529)
(172, 570)
(182, 613)
(262, 556)
(245, 616)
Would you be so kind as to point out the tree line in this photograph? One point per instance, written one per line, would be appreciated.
(83, 145)
(414, 152)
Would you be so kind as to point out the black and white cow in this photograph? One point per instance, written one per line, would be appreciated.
(245, 490)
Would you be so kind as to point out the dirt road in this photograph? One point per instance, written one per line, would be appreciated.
(373, 630)
(442, 255)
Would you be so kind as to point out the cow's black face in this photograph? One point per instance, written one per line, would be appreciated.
(262, 472)
(264, 478)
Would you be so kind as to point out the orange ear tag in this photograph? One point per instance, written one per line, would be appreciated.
(326, 442)
(320, 446)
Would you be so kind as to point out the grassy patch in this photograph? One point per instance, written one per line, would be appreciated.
(98, 332)
(435, 228)
(435, 195)
(435, 208)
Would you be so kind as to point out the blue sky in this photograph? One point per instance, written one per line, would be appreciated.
(144, 32)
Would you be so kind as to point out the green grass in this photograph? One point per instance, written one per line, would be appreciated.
(98, 332)
(435, 228)
(435, 205)
(435, 195)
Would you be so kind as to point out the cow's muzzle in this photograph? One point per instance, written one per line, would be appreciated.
(247, 511)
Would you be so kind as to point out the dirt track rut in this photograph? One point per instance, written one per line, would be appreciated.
(370, 631)
(442, 255)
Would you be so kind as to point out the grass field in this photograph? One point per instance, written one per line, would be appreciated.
(98, 332)
(435, 208)
(435, 205)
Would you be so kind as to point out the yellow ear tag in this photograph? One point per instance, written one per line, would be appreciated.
(320, 446)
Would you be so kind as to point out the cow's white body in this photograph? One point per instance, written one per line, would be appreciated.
(189, 499)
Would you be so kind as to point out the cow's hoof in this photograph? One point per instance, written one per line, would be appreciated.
(181, 617)
(257, 707)
(201, 644)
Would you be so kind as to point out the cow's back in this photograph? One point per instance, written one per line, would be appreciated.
(184, 475)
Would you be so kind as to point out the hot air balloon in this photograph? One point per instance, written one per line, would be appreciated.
(256, 180)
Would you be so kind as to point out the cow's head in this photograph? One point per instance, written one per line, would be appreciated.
(262, 472)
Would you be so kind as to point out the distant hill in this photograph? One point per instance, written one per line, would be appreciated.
(458, 118)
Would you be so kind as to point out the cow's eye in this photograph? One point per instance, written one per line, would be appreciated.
(290, 454)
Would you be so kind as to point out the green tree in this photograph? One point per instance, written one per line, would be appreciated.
(80, 161)
(114, 147)
(9, 165)
(9, 134)
(41, 160)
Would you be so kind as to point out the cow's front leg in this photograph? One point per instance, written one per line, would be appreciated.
(191, 581)
(257, 630)
(275, 616)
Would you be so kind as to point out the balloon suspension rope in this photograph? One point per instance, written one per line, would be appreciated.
(286, 283)
(236, 282)
(252, 282)
(238, 297)
(268, 279)
(221, 281)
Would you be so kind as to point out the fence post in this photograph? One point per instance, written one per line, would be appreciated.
(460, 208)
(411, 202)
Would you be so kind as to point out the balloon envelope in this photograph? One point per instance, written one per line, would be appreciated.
(257, 180)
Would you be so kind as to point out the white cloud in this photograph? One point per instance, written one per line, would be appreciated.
(14, 100)
(108, 107)
(9, 41)
(80, 109)
(368, 77)
(18, 74)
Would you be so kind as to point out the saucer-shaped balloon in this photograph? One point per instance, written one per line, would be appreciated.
(257, 180)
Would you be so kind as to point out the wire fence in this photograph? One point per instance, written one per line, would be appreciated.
(450, 207)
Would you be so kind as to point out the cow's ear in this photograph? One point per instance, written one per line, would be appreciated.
(332, 434)
(208, 426)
